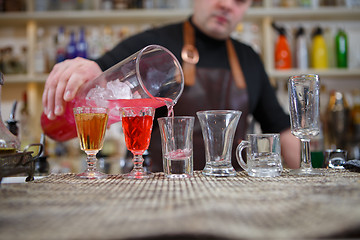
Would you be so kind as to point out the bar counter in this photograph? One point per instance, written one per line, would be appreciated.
(60, 206)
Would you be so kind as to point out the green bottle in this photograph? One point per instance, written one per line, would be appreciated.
(341, 45)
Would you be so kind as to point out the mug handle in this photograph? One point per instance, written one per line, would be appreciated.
(243, 144)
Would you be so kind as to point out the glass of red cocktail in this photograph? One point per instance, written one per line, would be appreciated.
(137, 125)
(91, 127)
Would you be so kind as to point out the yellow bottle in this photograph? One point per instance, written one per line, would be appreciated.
(319, 55)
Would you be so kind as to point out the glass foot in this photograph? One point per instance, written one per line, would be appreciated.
(219, 170)
(177, 176)
(92, 175)
(138, 175)
(306, 172)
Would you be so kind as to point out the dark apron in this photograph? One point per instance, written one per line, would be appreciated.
(206, 89)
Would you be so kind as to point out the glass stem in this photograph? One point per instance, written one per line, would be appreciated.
(305, 153)
(138, 163)
(91, 162)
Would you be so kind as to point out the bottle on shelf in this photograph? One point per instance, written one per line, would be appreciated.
(107, 5)
(355, 115)
(60, 45)
(107, 41)
(41, 5)
(95, 44)
(341, 46)
(23, 60)
(40, 57)
(305, 3)
(81, 45)
(301, 52)
(8, 61)
(354, 148)
(338, 122)
(71, 47)
(319, 54)
(148, 4)
(289, 3)
(1, 60)
(282, 49)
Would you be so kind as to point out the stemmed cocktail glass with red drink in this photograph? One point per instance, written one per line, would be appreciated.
(137, 125)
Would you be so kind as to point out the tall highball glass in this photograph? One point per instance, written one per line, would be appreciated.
(305, 116)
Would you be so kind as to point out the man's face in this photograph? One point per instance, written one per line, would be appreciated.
(218, 18)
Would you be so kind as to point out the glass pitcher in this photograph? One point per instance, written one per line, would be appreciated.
(152, 77)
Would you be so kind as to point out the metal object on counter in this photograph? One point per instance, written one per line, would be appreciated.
(13, 161)
(19, 162)
(8, 141)
(11, 122)
(41, 164)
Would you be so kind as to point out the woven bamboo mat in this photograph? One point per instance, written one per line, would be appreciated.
(242, 207)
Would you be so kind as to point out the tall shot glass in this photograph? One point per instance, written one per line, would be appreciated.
(218, 129)
(177, 146)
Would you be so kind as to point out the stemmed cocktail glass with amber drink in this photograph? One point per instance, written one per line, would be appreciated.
(137, 125)
(91, 126)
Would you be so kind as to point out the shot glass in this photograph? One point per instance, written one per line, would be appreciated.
(177, 146)
(218, 128)
(263, 155)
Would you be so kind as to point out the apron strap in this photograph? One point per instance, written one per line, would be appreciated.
(190, 57)
(235, 65)
(189, 54)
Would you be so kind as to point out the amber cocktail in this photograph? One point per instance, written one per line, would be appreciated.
(91, 127)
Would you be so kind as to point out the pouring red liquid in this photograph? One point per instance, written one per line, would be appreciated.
(152, 71)
(63, 127)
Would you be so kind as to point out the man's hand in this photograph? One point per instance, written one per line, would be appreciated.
(64, 81)
(290, 149)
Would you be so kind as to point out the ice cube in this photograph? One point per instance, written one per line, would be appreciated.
(119, 90)
(98, 96)
(98, 93)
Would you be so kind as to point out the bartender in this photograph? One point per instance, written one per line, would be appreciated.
(219, 73)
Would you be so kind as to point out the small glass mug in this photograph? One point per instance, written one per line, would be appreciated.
(335, 158)
(263, 155)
